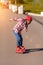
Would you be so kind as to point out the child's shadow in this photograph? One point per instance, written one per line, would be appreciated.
(33, 50)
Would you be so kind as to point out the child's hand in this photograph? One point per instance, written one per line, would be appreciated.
(26, 30)
(11, 19)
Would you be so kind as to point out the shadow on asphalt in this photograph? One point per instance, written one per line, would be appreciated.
(40, 22)
(33, 50)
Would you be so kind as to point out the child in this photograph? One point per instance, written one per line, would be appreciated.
(22, 24)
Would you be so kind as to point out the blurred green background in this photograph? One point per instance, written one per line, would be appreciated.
(34, 6)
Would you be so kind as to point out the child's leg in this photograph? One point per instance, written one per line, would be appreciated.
(18, 38)
(19, 42)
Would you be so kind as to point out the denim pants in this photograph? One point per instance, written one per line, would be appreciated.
(19, 38)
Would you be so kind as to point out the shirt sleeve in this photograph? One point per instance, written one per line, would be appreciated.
(18, 19)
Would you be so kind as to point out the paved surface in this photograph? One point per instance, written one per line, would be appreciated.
(33, 41)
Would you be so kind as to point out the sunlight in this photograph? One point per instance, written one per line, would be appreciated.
(4, 4)
(2, 1)
(0, 4)
(2, 17)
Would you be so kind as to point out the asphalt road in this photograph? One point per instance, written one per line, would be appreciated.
(33, 41)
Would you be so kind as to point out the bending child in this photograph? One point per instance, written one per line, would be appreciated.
(22, 24)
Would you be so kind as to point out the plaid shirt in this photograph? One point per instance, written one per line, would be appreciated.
(21, 24)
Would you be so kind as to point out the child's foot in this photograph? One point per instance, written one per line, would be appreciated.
(19, 50)
(23, 48)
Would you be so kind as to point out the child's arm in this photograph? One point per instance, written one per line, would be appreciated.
(13, 19)
(26, 27)
(16, 19)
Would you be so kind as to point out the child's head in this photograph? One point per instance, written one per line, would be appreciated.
(28, 19)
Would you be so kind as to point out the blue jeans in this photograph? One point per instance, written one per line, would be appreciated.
(18, 38)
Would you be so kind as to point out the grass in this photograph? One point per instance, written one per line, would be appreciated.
(32, 7)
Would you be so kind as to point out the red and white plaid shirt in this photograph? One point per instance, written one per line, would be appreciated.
(21, 24)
